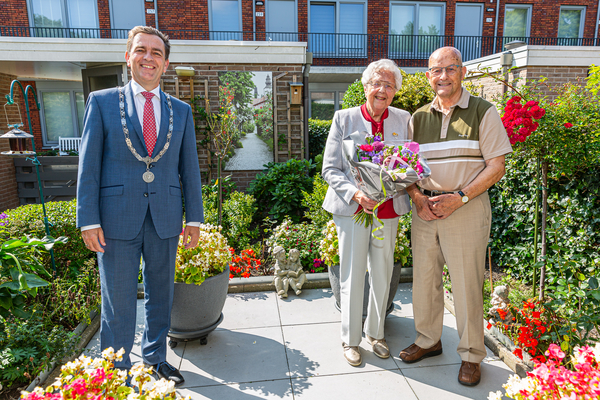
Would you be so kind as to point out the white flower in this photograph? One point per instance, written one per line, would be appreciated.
(108, 354)
(495, 396)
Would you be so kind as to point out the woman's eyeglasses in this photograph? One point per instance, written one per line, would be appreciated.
(378, 85)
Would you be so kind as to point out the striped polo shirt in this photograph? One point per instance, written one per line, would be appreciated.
(456, 144)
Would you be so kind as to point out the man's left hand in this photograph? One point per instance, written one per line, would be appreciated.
(191, 234)
(445, 204)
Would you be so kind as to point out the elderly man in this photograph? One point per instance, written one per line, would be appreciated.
(464, 140)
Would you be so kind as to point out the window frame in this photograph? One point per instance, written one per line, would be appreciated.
(65, 18)
(227, 36)
(112, 19)
(338, 89)
(529, 8)
(415, 53)
(581, 20)
(360, 51)
(52, 87)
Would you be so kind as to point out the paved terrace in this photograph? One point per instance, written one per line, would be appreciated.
(272, 348)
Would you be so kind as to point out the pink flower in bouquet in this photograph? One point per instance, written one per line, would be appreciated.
(419, 167)
(366, 147)
(412, 146)
(378, 146)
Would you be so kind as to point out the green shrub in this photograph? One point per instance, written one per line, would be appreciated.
(318, 131)
(29, 220)
(238, 213)
(414, 93)
(28, 346)
(402, 249)
(313, 201)
(278, 190)
(303, 237)
(68, 302)
(321, 110)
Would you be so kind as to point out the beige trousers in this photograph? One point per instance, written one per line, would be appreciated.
(358, 252)
(459, 241)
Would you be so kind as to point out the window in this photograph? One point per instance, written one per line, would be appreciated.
(570, 25)
(61, 112)
(517, 22)
(225, 17)
(281, 20)
(337, 29)
(64, 18)
(323, 104)
(415, 28)
(124, 15)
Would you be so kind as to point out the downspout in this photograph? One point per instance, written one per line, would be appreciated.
(254, 20)
(496, 24)
(306, 100)
(597, 18)
(156, 15)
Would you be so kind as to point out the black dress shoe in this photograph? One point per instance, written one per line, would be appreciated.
(167, 371)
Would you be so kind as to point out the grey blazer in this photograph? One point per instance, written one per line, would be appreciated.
(336, 169)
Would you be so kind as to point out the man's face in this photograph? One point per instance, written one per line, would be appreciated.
(446, 85)
(147, 60)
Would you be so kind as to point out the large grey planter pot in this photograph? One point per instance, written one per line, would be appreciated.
(334, 280)
(197, 309)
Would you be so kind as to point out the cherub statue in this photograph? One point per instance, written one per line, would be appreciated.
(499, 301)
(281, 271)
(296, 275)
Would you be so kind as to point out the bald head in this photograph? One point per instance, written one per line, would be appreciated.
(448, 53)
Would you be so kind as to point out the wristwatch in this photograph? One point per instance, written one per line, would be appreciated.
(463, 196)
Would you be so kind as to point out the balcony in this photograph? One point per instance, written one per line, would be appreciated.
(331, 49)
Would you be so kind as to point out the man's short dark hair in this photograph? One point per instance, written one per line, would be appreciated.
(150, 31)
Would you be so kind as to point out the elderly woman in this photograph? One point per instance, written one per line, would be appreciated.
(358, 249)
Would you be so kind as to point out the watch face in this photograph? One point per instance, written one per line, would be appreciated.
(465, 199)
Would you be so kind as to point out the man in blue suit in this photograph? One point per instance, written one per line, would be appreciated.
(138, 156)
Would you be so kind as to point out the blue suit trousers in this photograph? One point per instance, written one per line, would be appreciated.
(119, 270)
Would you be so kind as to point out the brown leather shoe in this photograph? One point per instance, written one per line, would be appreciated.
(414, 353)
(469, 374)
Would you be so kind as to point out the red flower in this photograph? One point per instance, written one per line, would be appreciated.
(366, 147)
(518, 352)
(568, 125)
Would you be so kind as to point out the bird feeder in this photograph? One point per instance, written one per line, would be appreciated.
(18, 142)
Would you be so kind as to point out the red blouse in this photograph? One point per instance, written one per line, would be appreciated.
(386, 210)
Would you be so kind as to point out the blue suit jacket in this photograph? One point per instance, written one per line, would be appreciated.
(110, 189)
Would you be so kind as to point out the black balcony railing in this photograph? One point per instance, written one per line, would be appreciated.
(332, 48)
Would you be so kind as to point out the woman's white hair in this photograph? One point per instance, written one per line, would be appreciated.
(382, 65)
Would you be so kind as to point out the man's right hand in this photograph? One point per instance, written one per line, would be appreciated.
(422, 203)
(94, 239)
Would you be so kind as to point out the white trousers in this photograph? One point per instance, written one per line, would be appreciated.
(359, 251)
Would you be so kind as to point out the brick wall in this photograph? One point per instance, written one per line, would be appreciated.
(210, 73)
(14, 13)
(8, 189)
(489, 89)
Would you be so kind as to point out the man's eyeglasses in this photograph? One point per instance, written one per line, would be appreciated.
(378, 85)
(451, 70)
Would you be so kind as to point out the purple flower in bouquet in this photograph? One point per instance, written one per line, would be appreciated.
(378, 146)
(377, 138)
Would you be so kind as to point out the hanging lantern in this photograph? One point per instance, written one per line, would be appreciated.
(18, 142)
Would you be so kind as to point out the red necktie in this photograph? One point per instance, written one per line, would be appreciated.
(149, 127)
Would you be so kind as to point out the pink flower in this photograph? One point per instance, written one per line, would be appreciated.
(412, 146)
(366, 147)
(378, 146)
(555, 351)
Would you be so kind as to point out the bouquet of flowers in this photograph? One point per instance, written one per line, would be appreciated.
(383, 170)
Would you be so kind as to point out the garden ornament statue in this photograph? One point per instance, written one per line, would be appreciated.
(288, 272)
(500, 301)
(296, 275)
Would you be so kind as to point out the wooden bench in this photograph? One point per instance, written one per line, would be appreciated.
(67, 144)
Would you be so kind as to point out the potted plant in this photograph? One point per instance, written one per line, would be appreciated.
(201, 282)
(329, 253)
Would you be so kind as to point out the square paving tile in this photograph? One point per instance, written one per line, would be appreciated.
(365, 385)
(310, 307)
(235, 356)
(441, 382)
(250, 310)
(316, 349)
(257, 390)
